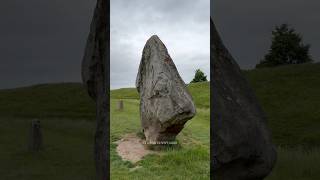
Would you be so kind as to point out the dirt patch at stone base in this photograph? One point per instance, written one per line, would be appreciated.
(131, 148)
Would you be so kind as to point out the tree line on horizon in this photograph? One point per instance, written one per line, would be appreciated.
(286, 48)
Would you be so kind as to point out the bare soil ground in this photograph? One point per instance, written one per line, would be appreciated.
(131, 148)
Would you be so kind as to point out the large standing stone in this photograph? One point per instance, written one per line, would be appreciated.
(165, 103)
(95, 77)
(241, 143)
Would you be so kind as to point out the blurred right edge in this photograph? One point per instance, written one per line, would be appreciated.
(241, 147)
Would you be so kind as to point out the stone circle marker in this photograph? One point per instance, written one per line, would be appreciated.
(35, 137)
(165, 103)
(241, 142)
(120, 105)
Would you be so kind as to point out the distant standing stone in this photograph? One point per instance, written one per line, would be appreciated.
(35, 138)
(165, 103)
(120, 105)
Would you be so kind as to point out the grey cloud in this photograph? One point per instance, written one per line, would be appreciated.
(183, 25)
(42, 41)
(246, 25)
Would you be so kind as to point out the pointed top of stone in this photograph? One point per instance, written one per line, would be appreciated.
(155, 50)
(154, 37)
(155, 42)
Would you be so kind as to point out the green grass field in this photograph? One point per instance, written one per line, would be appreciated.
(191, 161)
(289, 95)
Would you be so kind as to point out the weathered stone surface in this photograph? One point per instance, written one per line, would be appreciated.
(95, 77)
(94, 61)
(165, 103)
(241, 143)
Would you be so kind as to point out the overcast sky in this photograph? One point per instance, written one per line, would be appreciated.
(182, 25)
(246, 25)
(42, 41)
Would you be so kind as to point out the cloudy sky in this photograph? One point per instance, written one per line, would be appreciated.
(246, 25)
(182, 25)
(42, 41)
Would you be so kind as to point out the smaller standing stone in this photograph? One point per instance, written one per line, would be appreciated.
(35, 139)
(120, 105)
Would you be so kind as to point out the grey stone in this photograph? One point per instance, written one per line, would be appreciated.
(241, 143)
(120, 105)
(165, 103)
(95, 77)
(35, 138)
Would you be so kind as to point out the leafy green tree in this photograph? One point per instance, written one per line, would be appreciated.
(199, 77)
(286, 48)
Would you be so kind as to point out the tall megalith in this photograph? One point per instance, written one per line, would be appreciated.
(165, 103)
(241, 143)
(95, 77)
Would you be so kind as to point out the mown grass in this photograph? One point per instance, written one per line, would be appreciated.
(64, 100)
(200, 93)
(297, 164)
(67, 153)
(291, 99)
(191, 161)
(67, 118)
(288, 94)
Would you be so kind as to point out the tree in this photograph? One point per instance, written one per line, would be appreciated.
(199, 77)
(286, 48)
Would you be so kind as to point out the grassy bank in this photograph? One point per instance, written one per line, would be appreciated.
(291, 99)
(67, 153)
(289, 95)
(297, 164)
(192, 161)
